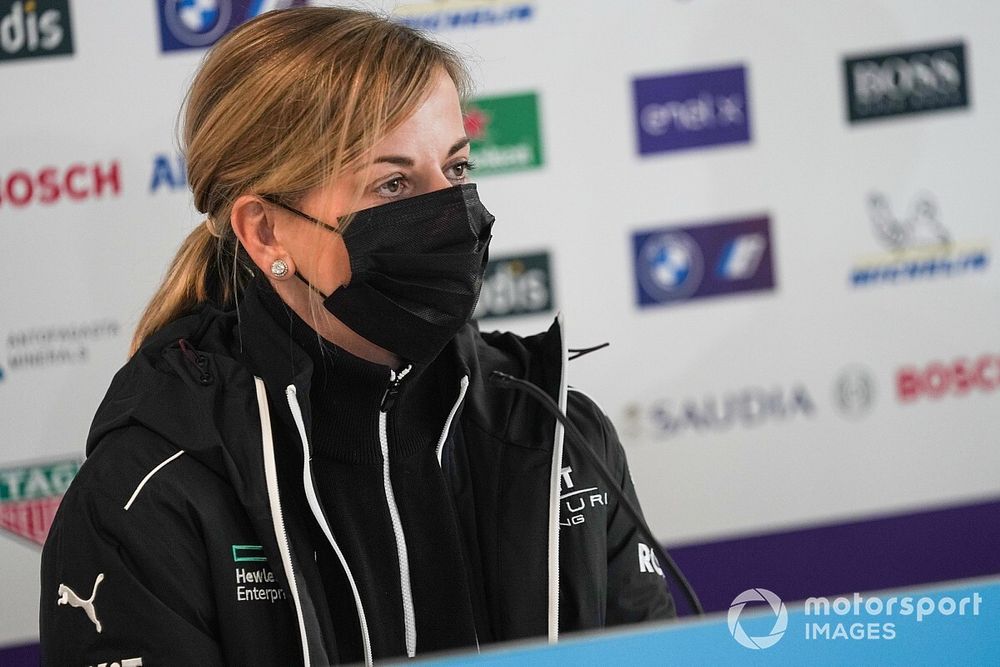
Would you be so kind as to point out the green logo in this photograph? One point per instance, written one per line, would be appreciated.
(248, 552)
(516, 285)
(505, 133)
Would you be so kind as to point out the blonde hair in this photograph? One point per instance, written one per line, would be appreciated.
(279, 106)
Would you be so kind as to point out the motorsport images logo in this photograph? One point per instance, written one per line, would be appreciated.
(35, 28)
(674, 264)
(194, 24)
(777, 607)
(897, 83)
(505, 133)
(516, 285)
(30, 496)
(691, 110)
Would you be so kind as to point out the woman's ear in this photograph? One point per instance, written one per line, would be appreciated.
(253, 224)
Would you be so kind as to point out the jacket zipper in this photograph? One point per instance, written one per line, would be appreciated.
(274, 500)
(314, 505)
(409, 616)
(555, 477)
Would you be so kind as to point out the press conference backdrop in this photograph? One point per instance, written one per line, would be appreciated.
(783, 216)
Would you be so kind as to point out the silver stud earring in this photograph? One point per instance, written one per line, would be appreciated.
(279, 269)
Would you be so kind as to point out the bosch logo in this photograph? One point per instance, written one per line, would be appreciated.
(939, 379)
(49, 185)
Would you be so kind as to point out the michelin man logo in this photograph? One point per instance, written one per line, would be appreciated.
(780, 620)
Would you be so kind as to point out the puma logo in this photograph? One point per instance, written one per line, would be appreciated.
(67, 596)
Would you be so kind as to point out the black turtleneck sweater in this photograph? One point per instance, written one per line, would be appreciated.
(345, 405)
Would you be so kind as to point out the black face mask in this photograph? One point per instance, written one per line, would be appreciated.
(416, 270)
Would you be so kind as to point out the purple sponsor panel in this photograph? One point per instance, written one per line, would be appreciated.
(27, 655)
(196, 24)
(675, 264)
(889, 552)
(691, 109)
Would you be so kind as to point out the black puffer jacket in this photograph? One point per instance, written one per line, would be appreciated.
(175, 544)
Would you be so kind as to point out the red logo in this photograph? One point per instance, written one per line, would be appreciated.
(958, 378)
(30, 496)
(48, 185)
(477, 122)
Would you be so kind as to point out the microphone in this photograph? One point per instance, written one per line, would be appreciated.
(506, 381)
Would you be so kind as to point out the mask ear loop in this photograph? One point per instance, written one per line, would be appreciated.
(271, 199)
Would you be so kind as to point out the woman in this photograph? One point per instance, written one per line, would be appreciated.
(303, 460)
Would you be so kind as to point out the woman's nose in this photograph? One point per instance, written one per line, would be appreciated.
(437, 181)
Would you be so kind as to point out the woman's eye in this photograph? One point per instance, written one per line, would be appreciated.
(392, 187)
(461, 170)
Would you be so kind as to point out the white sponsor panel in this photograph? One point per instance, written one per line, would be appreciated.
(739, 414)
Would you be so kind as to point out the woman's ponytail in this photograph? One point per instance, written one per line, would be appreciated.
(187, 283)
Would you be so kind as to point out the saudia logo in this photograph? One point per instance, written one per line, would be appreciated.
(746, 408)
(35, 28)
(519, 285)
(919, 245)
(449, 14)
(192, 24)
(505, 133)
(30, 496)
(897, 83)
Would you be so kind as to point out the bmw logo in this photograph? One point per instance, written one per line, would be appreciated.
(670, 266)
(198, 22)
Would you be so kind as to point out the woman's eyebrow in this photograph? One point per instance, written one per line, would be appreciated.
(408, 162)
(458, 145)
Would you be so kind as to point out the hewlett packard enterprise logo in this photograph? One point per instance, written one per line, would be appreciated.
(897, 83)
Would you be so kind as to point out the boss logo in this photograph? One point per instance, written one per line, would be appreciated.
(906, 82)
